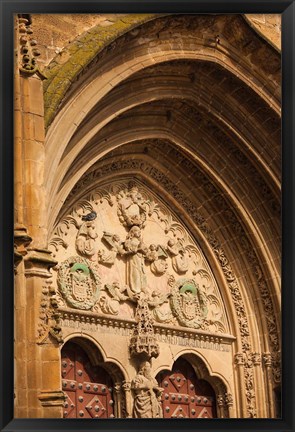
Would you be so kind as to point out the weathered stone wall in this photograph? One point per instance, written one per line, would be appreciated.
(54, 32)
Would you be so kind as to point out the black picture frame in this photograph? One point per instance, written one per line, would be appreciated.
(10, 7)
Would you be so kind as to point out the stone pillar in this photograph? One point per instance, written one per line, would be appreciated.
(37, 363)
(267, 363)
(259, 385)
(220, 406)
(229, 402)
(128, 397)
(118, 400)
(239, 361)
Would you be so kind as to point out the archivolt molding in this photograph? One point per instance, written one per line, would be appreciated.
(123, 103)
(120, 69)
(236, 38)
(183, 139)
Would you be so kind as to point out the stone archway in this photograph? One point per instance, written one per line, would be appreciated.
(185, 395)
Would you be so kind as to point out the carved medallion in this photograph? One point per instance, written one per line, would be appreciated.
(79, 282)
(188, 303)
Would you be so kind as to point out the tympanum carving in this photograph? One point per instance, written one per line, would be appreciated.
(130, 247)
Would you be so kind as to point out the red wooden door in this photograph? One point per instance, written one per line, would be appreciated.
(184, 395)
(89, 388)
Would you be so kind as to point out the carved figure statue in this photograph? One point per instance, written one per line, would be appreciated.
(161, 308)
(85, 241)
(157, 256)
(135, 251)
(110, 304)
(179, 260)
(147, 394)
(132, 207)
(114, 241)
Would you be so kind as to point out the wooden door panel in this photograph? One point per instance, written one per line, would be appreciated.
(184, 395)
(89, 388)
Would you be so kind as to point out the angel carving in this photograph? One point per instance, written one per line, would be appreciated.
(178, 256)
(157, 257)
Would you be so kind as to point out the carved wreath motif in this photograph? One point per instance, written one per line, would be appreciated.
(79, 282)
(188, 303)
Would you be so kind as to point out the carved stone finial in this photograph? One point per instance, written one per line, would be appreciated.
(143, 342)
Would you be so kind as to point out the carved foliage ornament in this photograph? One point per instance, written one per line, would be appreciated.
(79, 282)
(49, 317)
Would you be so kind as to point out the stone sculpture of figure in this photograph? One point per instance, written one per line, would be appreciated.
(160, 304)
(179, 261)
(132, 207)
(85, 241)
(114, 241)
(147, 394)
(157, 256)
(135, 251)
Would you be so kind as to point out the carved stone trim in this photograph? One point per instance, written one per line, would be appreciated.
(52, 398)
(28, 52)
(38, 262)
(267, 359)
(220, 400)
(256, 358)
(239, 359)
(49, 317)
(85, 320)
(229, 401)
(21, 242)
(79, 282)
(126, 386)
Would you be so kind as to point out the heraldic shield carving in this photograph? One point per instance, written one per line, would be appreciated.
(79, 282)
(188, 303)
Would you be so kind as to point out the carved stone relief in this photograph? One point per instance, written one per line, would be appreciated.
(28, 49)
(147, 394)
(49, 317)
(123, 245)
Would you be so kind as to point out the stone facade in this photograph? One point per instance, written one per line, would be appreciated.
(147, 216)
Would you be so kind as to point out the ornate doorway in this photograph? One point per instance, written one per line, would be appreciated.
(89, 389)
(186, 396)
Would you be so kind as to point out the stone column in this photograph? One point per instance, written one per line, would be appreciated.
(37, 371)
(220, 406)
(259, 385)
(118, 399)
(239, 361)
(128, 397)
(267, 363)
(229, 403)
